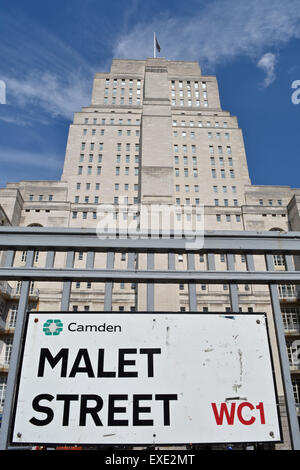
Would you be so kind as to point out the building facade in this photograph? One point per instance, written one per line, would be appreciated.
(154, 134)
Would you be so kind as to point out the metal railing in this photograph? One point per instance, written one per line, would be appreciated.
(55, 240)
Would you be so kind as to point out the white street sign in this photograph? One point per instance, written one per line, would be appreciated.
(144, 378)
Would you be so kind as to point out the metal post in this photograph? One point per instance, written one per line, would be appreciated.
(192, 287)
(284, 362)
(211, 265)
(15, 358)
(234, 297)
(150, 285)
(65, 298)
(110, 259)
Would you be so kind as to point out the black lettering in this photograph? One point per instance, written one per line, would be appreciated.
(67, 400)
(112, 409)
(93, 411)
(101, 372)
(123, 363)
(137, 409)
(69, 326)
(87, 368)
(166, 399)
(62, 355)
(150, 352)
(42, 409)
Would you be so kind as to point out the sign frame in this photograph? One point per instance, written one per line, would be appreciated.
(135, 444)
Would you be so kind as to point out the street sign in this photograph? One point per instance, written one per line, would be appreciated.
(145, 378)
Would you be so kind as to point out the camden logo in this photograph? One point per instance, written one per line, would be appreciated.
(52, 327)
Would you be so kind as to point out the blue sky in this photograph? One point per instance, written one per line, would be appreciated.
(50, 50)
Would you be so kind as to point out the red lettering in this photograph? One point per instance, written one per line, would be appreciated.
(240, 416)
(227, 414)
(260, 407)
(224, 410)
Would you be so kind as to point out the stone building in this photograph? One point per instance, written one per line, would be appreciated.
(154, 134)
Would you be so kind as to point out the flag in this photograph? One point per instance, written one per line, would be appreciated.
(157, 45)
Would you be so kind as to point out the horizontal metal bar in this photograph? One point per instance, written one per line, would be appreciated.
(41, 238)
(161, 276)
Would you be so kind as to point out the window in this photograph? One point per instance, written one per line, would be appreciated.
(279, 260)
(232, 175)
(213, 173)
(12, 316)
(89, 170)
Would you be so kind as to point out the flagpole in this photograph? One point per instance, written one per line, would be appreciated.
(154, 48)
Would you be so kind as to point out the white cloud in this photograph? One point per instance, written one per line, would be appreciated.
(55, 95)
(30, 159)
(267, 63)
(217, 33)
